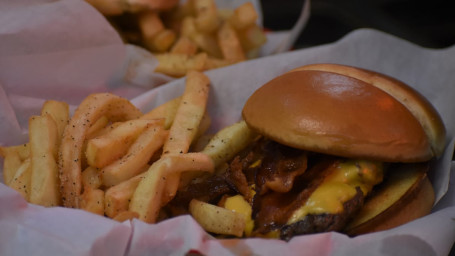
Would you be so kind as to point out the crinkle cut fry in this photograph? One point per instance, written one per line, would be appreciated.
(88, 112)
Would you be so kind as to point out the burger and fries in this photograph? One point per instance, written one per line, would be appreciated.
(321, 148)
(195, 35)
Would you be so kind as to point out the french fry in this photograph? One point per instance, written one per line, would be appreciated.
(23, 150)
(179, 65)
(147, 198)
(204, 125)
(187, 120)
(103, 150)
(207, 43)
(154, 5)
(223, 146)
(11, 164)
(245, 15)
(101, 131)
(217, 219)
(189, 114)
(91, 178)
(206, 15)
(184, 46)
(230, 44)
(43, 138)
(138, 155)
(126, 215)
(188, 27)
(252, 37)
(59, 111)
(117, 198)
(162, 41)
(150, 24)
(224, 14)
(186, 9)
(99, 125)
(92, 200)
(166, 110)
(228, 142)
(89, 111)
(21, 179)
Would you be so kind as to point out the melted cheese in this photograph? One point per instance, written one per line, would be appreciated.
(239, 204)
(340, 186)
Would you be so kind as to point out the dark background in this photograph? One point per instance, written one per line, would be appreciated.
(426, 23)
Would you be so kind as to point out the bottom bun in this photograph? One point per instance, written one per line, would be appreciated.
(405, 195)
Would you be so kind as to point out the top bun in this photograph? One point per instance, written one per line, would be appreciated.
(346, 111)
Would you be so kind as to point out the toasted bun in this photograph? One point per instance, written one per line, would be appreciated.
(419, 106)
(340, 114)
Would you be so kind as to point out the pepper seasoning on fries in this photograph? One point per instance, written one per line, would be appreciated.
(112, 160)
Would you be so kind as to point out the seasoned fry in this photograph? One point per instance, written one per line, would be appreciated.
(23, 150)
(11, 164)
(138, 155)
(184, 46)
(245, 15)
(43, 151)
(208, 43)
(91, 178)
(126, 215)
(179, 65)
(103, 150)
(117, 198)
(92, 133)
(166, 111)
(188, 27)
(95, 129)
(230, 44)
(21, 179)
(150, 24)
(92, 200)
(217, 219)
(59, 111)
(189, 114)
(147, 198)
(206, 15)
(252, 37)
(187, 120)
(223, 146)
(89, 111)
(228, 142)
(162, 41)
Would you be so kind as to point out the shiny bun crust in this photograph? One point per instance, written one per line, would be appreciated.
(326, 109)
(419, 106)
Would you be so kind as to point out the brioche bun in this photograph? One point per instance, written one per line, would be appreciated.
(325, 109)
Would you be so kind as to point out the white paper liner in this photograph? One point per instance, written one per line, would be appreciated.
(71, 73)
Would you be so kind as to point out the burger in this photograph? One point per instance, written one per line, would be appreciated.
(339, 148)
